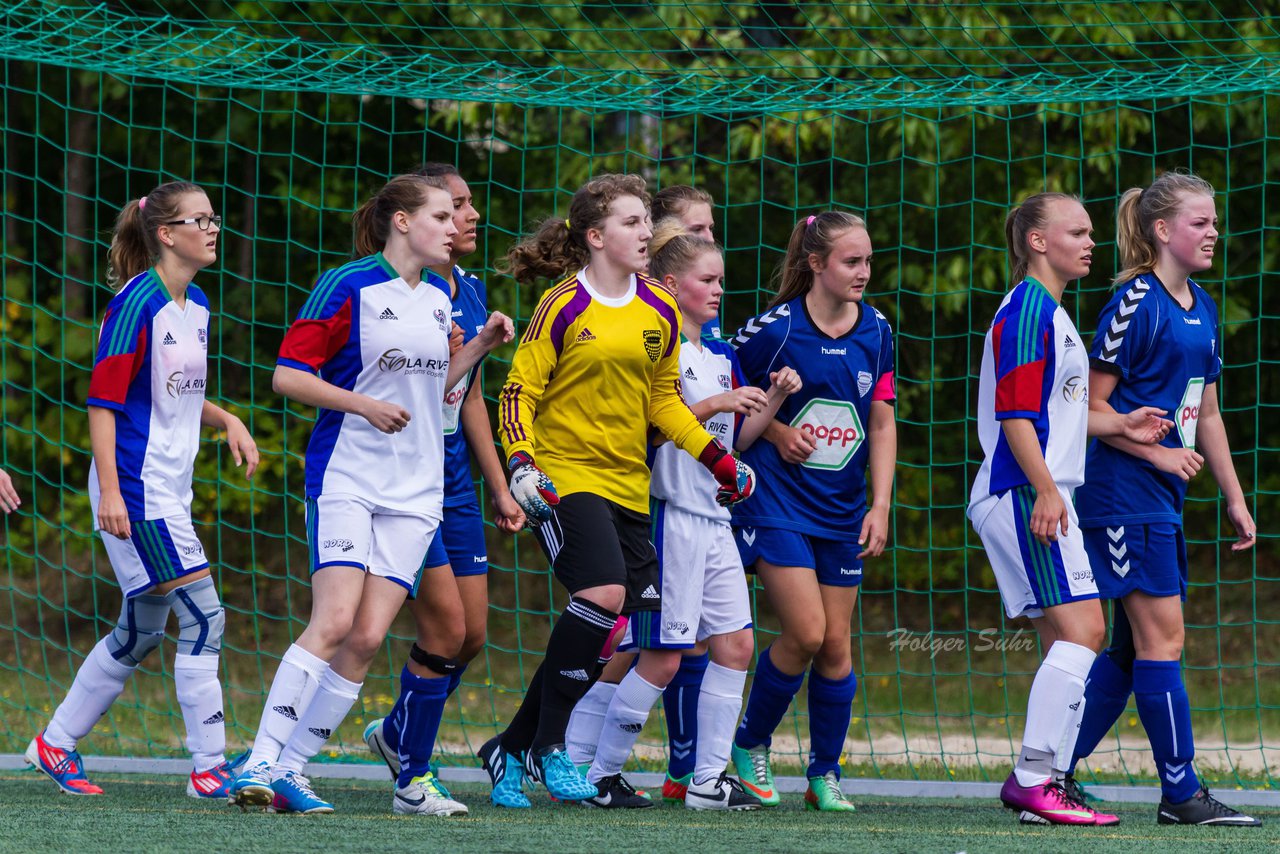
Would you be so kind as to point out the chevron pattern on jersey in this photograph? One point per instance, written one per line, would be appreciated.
(1120, 321)
(758, 324)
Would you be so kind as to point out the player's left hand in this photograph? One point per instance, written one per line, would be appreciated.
(498, 329)
(1246, 531)
(875, 532)
(1145, 425)
(243, 449)
(737, 480)
(507, 514)
(9, 500)
(455, 339)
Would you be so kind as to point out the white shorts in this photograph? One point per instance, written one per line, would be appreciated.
(346, 530)
(1032, 576)
(704, 590)
(157, 550)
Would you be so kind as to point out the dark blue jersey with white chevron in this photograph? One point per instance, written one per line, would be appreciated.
(827, 495)
(469, 312)
(1163, 355)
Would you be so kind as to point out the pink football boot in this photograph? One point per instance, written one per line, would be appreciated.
(1050, 804)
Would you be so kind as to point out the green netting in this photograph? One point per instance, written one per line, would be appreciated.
(929, 119)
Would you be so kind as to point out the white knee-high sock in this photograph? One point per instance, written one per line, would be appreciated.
(200, 696)
(1053, 713)
(586, 722)
(294, 685)
(333, 699)
(719, 703)
(97, 685)
(627, 713)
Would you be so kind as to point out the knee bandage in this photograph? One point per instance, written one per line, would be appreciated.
(438, 663)
(139, 630)
(200, 617)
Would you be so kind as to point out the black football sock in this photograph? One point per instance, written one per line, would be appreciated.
(571, 666)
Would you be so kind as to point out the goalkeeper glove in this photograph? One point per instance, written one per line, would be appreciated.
(737, 480)
(532, 489)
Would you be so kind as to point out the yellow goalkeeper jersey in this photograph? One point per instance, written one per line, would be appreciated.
(589, 377)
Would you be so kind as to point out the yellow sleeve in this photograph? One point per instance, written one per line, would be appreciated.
(531, 367)
(667, 409)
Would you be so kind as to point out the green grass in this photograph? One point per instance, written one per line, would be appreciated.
(142, 813)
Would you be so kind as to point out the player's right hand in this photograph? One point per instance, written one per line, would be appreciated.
(532, 489)
(743, 400)
(785, 381)
(386, 417)
(795, 445)
(1184, 462)
(9, 500)
(112, 515)
(1049, 516)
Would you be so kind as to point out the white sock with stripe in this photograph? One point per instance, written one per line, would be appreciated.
(1053, 713)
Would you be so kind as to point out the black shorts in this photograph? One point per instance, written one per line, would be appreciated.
(592, 541)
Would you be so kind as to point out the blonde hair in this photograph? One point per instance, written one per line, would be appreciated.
(814, 235)
(1030, 215)
(134, 243)
(672, 250)
(559, 246)
(371, 224)
(1137, 215)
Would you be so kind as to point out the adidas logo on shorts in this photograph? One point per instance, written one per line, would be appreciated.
(689, 374)
(287, 711)
(320, 733)
(388, 314)
(579, 675)
(169, 339)
(630, 727)
(650, 593)
(216, 718)
(585, 335)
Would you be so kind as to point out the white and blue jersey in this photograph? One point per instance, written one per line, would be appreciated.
(365, 330)
(826, 496)
(1034, 367)
(1164, 356)
(151, 369)
(470, 312)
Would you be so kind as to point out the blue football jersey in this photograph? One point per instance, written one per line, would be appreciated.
(470, 312)
(1164, 355)
(826, 496)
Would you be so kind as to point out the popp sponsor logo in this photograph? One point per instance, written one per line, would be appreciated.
(835, 427)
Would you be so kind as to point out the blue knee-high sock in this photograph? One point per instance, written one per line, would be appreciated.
(830, 711)
(391, 724)
(1166, 715)
(680, 705)
(770, 697)
(424, 701)
(455, 678)
(1106, 693)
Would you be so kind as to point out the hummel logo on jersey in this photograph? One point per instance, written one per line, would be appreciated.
(169, 339)
(578, 675)
(319, 732)
(388, 314)
(216, 718)
(585, 335)
(287, 711)
(689, 374)
(650, 593)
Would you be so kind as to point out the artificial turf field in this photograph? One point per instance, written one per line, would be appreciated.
(152, 813)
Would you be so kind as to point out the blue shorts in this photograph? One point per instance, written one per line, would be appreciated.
(460, 541)
(836, 562)
(1151, 558)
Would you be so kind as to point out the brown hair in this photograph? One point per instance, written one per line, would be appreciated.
(1030, 215)
(675, 200)
(672, 248)
(559, 246)
(434, 169)
(812, 235)
(134, 244)
(1137, 214)
(371, 223)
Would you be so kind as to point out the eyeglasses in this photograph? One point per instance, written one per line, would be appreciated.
(200, 222)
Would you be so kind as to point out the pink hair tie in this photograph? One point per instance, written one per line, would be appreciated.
(142, 203)
(809, 221)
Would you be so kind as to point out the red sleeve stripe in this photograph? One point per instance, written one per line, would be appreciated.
(314, 342)
(1022, 389)
(113, 375)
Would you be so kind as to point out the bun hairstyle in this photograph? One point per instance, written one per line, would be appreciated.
(135, 246)
(673, 249)
(371, 223)
(558, 246)
(675, 200)
(1137, 215)
(1030, 215)
(814, 235)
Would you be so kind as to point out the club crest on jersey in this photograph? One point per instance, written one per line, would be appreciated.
(725, 382)
(1075, 390)
(864, 383)
(653, 343)
(203, 335)
(438, 314)
(178, 385)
